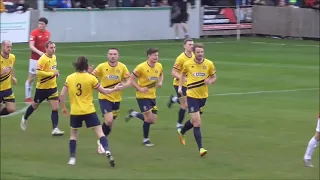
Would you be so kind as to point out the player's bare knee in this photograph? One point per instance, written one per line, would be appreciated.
(34, 105)
(148, 116)
(317, 136)
(73, 134)
(30, 79)
(98, 131)
(54, 105)
(196, 122)
(154, 116)
(11, 109)
(108, 119)
(153, 119)
(109, 122)
(184, 106)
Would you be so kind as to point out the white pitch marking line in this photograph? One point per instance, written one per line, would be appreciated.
(175, 43)
(221, 94)
(127, 45)
(217, 62)
(282, 44)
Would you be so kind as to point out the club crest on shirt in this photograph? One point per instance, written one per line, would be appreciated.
(118, 71)
(156, 71)
(204, 67)
(199, 74)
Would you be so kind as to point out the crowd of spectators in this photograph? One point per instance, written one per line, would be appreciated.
(11, 6)
(21, 6)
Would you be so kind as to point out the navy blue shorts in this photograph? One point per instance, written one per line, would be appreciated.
(7, 96)
(184, 91)
(108, 106)
(91, 120)
(46, 94)
(195, 105)
(147, 105)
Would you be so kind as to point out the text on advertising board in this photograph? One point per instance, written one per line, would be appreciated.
(225, 18)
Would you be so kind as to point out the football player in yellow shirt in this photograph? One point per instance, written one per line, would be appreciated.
(150, 76)
(46, 88)
(111, 73)
(200, 73)
(176, 73)
(6, 77)
(80, 87)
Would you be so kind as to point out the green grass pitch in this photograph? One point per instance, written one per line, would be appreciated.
(259, 117)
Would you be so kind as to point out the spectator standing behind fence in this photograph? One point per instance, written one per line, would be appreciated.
(89, 4)
(180, 16)
(20, 6)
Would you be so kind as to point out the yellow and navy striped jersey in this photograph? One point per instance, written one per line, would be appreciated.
(196, 74)
(5, 79)
(45, 72)
(181, 59)
(109, 77)
(147, 77)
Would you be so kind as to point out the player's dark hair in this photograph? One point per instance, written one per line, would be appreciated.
(48, 43)
(81, 64)
(187, 40)
(43, 19)
(152, 50)
(113, 48)
(195, 46)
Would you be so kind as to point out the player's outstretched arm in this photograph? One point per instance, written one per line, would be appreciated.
(107, 90)
(62, 99)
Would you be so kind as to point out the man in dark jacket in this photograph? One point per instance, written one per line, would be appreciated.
(180, 16)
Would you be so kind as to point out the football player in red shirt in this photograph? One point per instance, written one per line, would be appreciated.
(38, 38)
